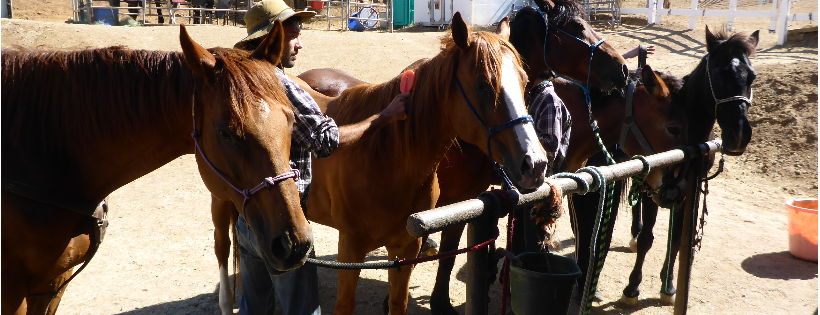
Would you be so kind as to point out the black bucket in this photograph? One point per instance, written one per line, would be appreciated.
(543, 285)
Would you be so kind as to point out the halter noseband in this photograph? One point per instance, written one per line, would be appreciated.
(492, 131)
(741, 98)
(266, 183)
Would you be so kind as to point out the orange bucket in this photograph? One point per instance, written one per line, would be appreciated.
(803, 228)
(317, 5)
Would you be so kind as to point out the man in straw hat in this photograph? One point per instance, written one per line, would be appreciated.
(313, 134)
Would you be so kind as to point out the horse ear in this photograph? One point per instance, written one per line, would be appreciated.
(504, 28)
(271, 47)
(754, 38)
(650, 80)
(200, 60)
(711, 39)
(461, 35)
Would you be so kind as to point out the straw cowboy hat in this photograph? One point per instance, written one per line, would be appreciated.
(260, 17)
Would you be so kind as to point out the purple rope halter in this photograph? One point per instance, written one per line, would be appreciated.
(266, 183)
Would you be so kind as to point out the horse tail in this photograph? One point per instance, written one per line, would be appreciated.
(235, 249)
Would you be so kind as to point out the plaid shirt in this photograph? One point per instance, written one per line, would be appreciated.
(313, 132)
(552, 124)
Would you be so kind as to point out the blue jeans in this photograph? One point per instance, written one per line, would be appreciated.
(298, 290)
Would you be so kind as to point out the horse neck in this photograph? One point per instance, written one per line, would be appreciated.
(421, 140)
(110, 140)
(696, 96)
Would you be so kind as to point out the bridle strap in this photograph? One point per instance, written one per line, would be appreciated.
(492, 131)
(247, 193)
(630, 125)
(741, 98)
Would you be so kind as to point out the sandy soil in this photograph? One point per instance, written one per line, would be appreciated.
(158, 258)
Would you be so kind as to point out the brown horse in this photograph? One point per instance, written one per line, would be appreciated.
(65, 149)
(368, 191)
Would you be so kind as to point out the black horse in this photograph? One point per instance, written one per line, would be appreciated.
(719, 89)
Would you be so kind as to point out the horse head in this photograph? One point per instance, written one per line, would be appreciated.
(243, 133)
(730, 75)
(583, 55)
(488, 108)
(661, 124)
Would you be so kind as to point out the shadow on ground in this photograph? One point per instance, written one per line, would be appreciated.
(780, 265)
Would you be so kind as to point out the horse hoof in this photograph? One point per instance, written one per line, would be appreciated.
(628, 301)
(667, 299)
(633, 245)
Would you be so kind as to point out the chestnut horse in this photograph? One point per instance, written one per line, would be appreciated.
(368, 191)
(718, 89)
(65, 148)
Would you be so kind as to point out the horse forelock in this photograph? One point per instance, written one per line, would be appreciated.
(247, 82)
(734, 42)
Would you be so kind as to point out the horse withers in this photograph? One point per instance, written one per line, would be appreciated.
(64, 149)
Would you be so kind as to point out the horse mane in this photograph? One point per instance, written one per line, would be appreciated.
(434, 81)
(56, 102)
(736, 41)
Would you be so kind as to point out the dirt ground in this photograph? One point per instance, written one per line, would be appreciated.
(158, 258)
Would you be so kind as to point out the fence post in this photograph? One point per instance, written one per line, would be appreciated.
(657, 11)
(477, 262)
(694, 6)
(785, 6)
(730, 24)
(773, 24)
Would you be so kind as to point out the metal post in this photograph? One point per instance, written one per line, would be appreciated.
(687, 249)
(477, 286)
(144, 8)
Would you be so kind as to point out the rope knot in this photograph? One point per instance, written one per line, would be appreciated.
(507, 204)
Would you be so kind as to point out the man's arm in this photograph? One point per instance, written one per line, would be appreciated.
(350, 134)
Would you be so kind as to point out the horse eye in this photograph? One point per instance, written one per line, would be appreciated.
(224, 135)
(673, 130)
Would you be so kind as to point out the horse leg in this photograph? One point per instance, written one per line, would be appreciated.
(440, 298)
(46, 302)
(667, 272)
(351, 250)
(637, 226)
(40, 246)
(221, 213)
(644, 243)
(399, 280)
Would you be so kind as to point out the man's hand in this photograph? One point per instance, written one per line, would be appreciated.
(396, 111)
(650, 50)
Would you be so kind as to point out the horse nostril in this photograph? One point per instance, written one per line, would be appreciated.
(280, 247)
(526, 165)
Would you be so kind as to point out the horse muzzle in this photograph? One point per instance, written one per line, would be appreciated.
(532, 173)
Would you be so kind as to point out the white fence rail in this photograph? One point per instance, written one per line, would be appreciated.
(655, 10)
